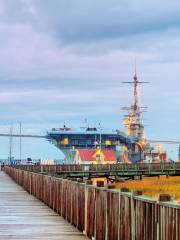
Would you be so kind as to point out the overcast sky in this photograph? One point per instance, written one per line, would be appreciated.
(65, 60)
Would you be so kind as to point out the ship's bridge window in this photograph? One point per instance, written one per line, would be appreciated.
(88, 142)
(91, 129)
(74, 142)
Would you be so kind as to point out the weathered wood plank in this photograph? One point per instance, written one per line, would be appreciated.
(24, 217)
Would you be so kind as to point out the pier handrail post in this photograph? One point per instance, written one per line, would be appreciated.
(133, 194)
(99, 185)
(87, 183)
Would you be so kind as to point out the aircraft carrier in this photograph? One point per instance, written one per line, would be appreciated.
(128, 146)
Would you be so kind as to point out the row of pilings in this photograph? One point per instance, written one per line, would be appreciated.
(103, 213)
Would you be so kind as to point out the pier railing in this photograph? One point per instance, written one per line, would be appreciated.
(100, 212)
(76, 170)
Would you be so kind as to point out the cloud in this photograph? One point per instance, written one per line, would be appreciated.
(84, 21)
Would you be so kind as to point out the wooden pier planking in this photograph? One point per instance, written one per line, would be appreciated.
(24, 217)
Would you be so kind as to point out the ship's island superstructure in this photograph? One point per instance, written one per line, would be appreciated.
(97, 145)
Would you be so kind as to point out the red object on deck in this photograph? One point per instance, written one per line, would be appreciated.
(90, 155)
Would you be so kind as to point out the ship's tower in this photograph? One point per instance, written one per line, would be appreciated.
(133, 121)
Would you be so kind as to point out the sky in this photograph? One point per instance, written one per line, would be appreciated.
(65, 61)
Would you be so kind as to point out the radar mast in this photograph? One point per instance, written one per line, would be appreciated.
(133, 120)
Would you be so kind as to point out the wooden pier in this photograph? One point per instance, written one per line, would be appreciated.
(24, 217)
(103, 213)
